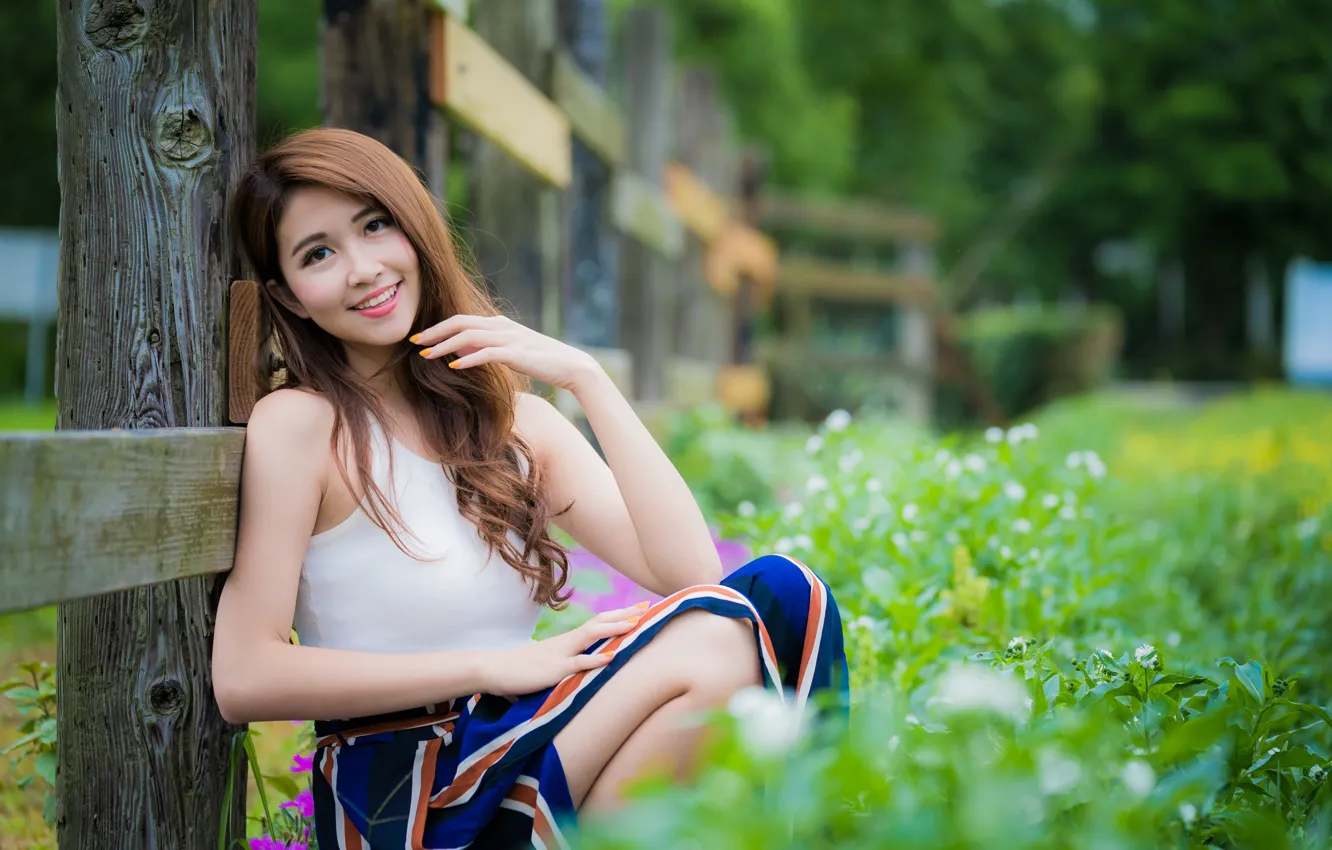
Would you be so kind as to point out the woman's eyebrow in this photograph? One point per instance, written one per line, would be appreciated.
(315, 237)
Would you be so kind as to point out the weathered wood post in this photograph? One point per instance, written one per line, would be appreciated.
(591, 303)
(155, 115)
(516, 214)
(645, 302)
(376, 65)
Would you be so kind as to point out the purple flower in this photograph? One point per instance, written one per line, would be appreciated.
(304, 803)
(266, 843)
(623, 592)
(300, 763)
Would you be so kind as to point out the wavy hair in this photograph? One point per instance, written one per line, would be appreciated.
(466, 417)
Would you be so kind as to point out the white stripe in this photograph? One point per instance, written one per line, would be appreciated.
(550, 819)
(339, 817)
(806, 682)
(417, 764)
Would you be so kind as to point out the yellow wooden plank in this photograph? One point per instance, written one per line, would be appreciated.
(822, 279)
(88, 512)
(859, 219)
(638, 209)
(592, 116)
(476, 86)
(700, 209)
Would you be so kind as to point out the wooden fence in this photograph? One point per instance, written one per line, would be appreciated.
(126, 516)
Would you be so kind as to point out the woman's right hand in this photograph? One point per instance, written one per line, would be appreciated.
(527, 669)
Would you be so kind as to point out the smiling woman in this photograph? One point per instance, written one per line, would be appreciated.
(397, 513)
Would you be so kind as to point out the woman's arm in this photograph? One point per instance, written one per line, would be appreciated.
(638, 514)
(257, 673)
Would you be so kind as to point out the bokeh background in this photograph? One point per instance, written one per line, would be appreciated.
(1117, 497)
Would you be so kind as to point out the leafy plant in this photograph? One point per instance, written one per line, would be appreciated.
(33, 693)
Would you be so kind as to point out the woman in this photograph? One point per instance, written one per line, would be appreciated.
(396, 498)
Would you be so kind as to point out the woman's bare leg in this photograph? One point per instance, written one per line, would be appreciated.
(641, 717)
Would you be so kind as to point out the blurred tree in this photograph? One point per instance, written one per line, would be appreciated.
(29, 194)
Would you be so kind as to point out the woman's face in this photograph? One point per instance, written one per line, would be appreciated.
(349, 267)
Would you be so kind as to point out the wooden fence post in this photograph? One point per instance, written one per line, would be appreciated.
(644, 281)
(376, 64)
(516, 215)
(591, 303)
(155, 116)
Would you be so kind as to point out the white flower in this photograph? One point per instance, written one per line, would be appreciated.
(953, 538)
(918, 536)
(1015, 491)
(1172, 639)
(1033, 553)
(1057, 772)
(899, 540)
(1019, 643)
(953, 469)
(863, 622)
(746, 509)
(1022, 526)
(994, 435)
(814, 444)
(783, 546)
(849, 460)
(1049, 501)
(1107, 653)
(830, 502)
(792, 510)
(942, 456)
(816, 484)
(769, 726)
(873, 485)
(1074, 460)
(1095, 467)
(1317, 774)
(972, 687)
(912, 720)
(910, 512)
(893, 743)
(1188, 813)
(1068, 512)
(1138, 777)
(1143, 651)
(861, 523)
(837, 421)
(974, 462)
(802, 541)
(1005, 553)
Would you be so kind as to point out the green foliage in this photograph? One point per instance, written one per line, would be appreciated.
(1030, 633)
(33, 693)
(1029, 356)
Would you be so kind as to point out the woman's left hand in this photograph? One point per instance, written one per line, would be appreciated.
(499, 339)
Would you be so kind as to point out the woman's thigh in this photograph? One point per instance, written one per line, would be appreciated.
(696, 653)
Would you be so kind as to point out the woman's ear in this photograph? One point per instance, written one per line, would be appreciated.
(283, 295)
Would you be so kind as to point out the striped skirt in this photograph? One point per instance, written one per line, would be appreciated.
(483, 772)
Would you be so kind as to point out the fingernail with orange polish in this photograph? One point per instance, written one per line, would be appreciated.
(606, 654)
(414, 338)
(424, 352)
(642, 604)
(453, 365)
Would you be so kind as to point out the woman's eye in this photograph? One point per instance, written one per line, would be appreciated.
(376, 224)
(314, 255)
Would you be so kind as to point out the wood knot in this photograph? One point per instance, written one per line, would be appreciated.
(166, 697)
(115, 24)
(180, 134)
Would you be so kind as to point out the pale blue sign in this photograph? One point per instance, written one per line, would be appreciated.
(1308, 339)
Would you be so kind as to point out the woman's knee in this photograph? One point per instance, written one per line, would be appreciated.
(714, 653)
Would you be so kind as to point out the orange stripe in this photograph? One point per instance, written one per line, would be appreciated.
(541, 826)
(462, 784)
(428, 761)
(352, 835)
(811, 633)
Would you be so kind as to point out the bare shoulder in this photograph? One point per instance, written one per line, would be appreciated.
(291, 414)
(538, 422)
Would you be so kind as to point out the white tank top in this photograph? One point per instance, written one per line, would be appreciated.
(358, 591)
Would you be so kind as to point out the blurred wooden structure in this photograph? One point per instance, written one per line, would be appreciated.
(855, 296)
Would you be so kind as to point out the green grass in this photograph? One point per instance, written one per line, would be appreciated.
(19, 416)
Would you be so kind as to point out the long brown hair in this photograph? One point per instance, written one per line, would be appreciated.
(466, 417)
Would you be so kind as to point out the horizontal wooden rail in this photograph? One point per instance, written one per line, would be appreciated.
(476, 85)
(859, 220)
(592, 117)
(808, 276)
(639, 209)
(701, 210)
(89, 512)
